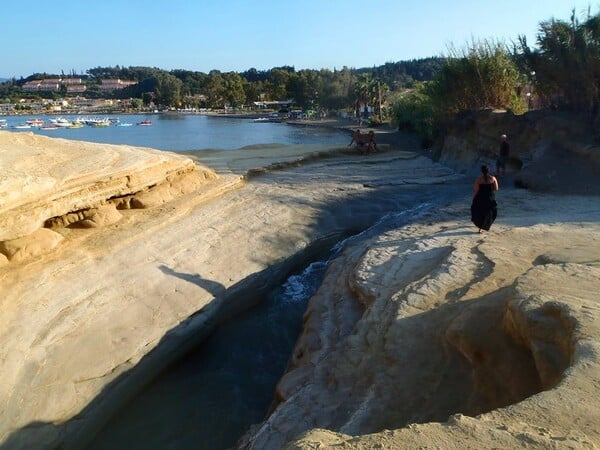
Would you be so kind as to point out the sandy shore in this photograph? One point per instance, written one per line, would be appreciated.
(86, 324)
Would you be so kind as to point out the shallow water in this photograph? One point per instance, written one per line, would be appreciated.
(184, 132)
(208, 399)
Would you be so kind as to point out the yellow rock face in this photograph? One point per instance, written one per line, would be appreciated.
(46, 182)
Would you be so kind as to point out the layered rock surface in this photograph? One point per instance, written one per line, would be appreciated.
(433, 323)
(86, 325)
(554, 151)
(54, 183)
(422, 335)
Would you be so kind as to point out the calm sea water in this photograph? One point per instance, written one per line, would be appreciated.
(181, 132)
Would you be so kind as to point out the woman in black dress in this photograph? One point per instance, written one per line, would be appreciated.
(483, 208)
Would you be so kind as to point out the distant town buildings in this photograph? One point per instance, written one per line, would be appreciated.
(73, 85)
(42, 85)
(114, 84)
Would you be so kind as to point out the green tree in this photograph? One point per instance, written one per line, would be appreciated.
(276, 84)
(304, 88)
(415, 111)
(566, 63)
(168, 90)
(368, 92)
(338, 89)
(215, 90)
(136, 103)
(147, 98)
(234, 92)
(252, 90)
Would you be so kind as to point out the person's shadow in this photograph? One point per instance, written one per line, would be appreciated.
(213, 287)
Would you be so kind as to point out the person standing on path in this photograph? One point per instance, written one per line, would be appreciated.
(503, 156)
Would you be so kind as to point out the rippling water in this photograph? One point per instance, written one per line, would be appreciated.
(182, 132)
(208, 399)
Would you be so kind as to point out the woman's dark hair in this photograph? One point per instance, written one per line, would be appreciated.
(485, 170)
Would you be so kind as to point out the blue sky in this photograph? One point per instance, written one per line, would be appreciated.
(235, 35)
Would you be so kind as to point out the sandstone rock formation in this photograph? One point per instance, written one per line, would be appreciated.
(422, 335)
(89, 323)
(53, 183)
(550, 151)
(431, 323)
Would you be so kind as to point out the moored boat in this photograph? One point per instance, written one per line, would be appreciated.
(22, 126)
(96, 122)
(145, 123)
(61, 122)
(49, 127)
(35, 122)
(273, 117)
(3, 123)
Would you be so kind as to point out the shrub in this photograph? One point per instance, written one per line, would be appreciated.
(482, 76)
(415, 111)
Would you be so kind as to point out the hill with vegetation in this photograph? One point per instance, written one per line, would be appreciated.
(323, 89)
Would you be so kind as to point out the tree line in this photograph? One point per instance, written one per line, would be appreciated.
(322, 89)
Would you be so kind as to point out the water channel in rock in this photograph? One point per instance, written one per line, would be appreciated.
(209, 399)
(203, 401)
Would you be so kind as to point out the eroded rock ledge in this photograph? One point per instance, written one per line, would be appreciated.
(430, 324)
(47, 184)
(551, 151)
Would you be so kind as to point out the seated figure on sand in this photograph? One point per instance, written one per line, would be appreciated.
(371, 144)
(358, 139)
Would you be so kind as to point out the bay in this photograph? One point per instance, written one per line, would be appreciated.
(184, 132)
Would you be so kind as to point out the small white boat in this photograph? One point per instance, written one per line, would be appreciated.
(124, 124)
(3, 123)
(269, 119)
(49, 127)
(96, 122)
(61, 122)
(35, 122)
(22, 126)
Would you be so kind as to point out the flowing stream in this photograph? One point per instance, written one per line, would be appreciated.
(208, 399)
(211, 397)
